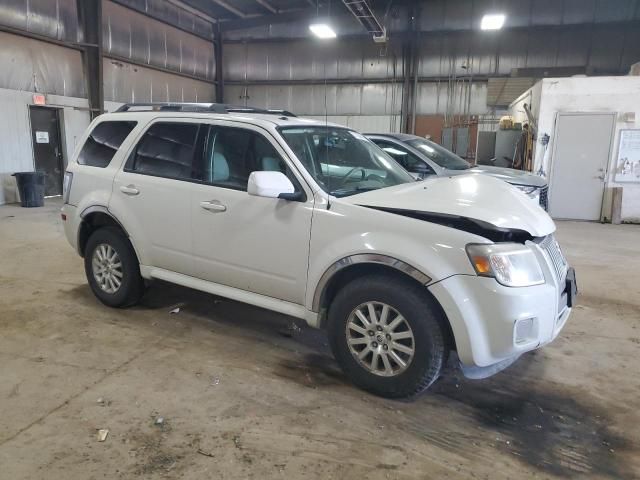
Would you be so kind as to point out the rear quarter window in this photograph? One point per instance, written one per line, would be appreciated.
(103, 143)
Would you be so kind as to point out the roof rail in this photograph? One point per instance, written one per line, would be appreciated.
(173, 107)
(199, 108)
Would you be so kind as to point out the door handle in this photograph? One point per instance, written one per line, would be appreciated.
(213, 206)
(129, 190)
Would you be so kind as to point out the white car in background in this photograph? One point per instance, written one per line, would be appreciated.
(314, 221)
(423, 158)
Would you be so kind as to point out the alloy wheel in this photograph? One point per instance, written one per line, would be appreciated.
(380, 339)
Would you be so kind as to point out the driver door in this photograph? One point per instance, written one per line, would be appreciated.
(247, 242)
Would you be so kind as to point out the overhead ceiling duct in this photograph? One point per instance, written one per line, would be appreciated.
(363, 13)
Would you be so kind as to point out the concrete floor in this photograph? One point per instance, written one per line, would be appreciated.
(241, 400)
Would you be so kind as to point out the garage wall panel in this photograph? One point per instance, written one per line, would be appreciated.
(57, 19)
(306, 60)
(441, 98)
(607, 47)
(368, 99)
(124, 82)
(131, 35)
(38, 66)
(573, 49)
(172, 14)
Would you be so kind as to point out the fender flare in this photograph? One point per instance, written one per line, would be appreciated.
(102, 209)
(363, 258)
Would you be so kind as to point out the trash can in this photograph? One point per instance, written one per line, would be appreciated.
(31, 188)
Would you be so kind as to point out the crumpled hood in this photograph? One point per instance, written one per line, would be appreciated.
(477, 197)
(518, 177)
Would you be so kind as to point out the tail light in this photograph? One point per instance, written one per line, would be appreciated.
(66, 186)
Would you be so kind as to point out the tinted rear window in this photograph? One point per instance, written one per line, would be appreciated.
(103, 143)
(166, 150)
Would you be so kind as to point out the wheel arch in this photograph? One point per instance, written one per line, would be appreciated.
(93, 218)
(349, 268)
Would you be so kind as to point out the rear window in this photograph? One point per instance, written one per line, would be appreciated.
(103, 143)
(166, 150)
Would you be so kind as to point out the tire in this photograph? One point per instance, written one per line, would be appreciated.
(424, 321)
(131, 285)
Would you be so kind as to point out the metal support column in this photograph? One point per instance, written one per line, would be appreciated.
(217, 48)
(90, 19)
(410, 71)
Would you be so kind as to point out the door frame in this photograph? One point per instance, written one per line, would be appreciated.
(554, 141)
(59, 117)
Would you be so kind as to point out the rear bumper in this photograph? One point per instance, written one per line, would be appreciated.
(71, 224)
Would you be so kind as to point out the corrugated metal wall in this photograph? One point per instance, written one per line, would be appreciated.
(371, 99)
(308, 60)
(124, 82)
(279, 63)
(57, 19)
(172, 14)
(37, 66)
(131, 35)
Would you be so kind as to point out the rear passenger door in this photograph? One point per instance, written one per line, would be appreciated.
(243, 241)
(152, 194)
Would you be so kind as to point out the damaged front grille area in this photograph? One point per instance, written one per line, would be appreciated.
(551, 247)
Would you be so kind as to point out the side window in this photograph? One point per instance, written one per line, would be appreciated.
(404, 157)
(231, 154)
(166, 150)
(103, 143)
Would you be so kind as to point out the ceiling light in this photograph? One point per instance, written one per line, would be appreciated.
(492, 22)
(322, 30)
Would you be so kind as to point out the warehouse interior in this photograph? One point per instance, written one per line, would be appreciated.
(192, 385)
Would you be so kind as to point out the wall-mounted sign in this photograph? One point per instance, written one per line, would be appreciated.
(628, 163)
(39, 99)
(42, 137)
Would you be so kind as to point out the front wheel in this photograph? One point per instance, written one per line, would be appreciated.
(387, 335)
(112, 268)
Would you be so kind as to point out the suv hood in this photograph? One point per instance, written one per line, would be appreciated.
(477, 197)
(517, 177)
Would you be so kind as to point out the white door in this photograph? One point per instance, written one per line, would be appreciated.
(582, 148)
(252, 243)
(152, 195)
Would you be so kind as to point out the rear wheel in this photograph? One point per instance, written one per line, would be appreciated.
(112, 268)
(387, 334)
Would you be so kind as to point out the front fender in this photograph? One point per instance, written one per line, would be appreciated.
(349, 231)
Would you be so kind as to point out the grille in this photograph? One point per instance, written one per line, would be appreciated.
(552, 248)
(544, 197)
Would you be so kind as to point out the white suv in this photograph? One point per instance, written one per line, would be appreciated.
(314, 221)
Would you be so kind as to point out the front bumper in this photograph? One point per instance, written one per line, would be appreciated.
(493, 324)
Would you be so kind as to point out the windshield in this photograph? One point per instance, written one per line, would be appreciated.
(342, 161)
(440, 155)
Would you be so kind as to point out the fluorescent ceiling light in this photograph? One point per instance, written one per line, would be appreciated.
(322, 30)
(492, 22)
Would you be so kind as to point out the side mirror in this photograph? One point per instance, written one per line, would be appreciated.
(272, 185)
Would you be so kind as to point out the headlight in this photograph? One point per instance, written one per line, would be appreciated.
(511, 264)
(66, 186)
(531, 192)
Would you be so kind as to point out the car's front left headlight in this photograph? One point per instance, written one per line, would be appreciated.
(531, 192)
(511, 264)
